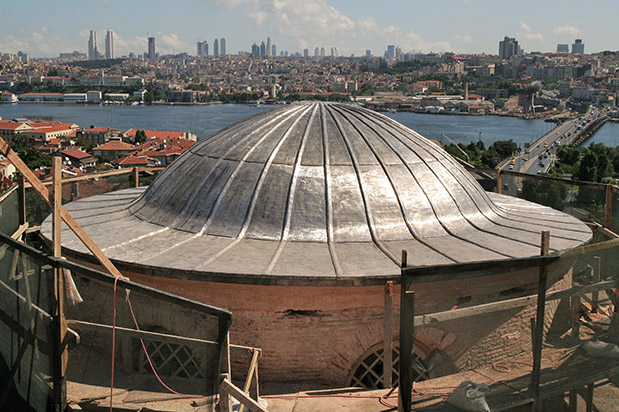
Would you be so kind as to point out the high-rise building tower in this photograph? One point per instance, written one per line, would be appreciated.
(578, 47)
(322, 52)
(306, 54)
(222, 46)
(563, 48)
(255, 49)
(93, 53)
(216, 48)
(109, 45)
(368, 53)
(263, 49)
(508, 47)
(202, 48)
(273, 50)
(390, 54)
(316, 52)
(268, 46)
(151, 48)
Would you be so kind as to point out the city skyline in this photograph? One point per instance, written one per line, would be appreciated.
(465, 26)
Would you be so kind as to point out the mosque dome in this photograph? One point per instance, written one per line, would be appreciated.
(315, 192)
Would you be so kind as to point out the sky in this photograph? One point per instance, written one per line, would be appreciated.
(44, 28)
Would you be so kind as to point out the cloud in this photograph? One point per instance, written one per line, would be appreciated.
(462, 39)
(171, 43)
(568, 29)
(230, 4)
(528, 34)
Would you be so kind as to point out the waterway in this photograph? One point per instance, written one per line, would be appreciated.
(204, 120)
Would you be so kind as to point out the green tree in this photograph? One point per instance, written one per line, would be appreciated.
(33, 158)
(588, 168)
(505, 148)
(544, 192)
(140, 137)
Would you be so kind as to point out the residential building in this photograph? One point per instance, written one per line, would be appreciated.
(78, 158)
(112, 150)
(508, 47)
(109, 45)
(97, 135)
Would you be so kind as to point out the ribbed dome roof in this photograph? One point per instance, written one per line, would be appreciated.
(289, 180)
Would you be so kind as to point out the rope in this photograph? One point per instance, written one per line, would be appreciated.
(152, 367)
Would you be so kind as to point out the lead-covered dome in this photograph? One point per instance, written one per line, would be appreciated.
(316, 190)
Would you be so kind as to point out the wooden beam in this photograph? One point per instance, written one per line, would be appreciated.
(20, 231)
(597, 269)
(538, 335)
(136, 177)
(498, 180)
(68, 219)
(139, 334)
(56, 205)
(253, 365)
(229, 388)
(388, 336)
(22, 199)
(407, 339)
(608, 208)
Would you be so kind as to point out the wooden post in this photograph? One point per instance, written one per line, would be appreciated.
(60, 355)
(404, 262)
(225, 402)
(407, 339)
(573, 406)
(252, 373)
(597, 270)
(254, 388)
(136, 177)
(589, 397)
(22, 199)
(498, 180)
(388, 336)
(608, 209)
(538, 336)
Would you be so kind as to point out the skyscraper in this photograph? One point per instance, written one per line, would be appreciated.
(508, 47)
(578, 47)
(368, 53)
(263, 49)
(306, 54)
(273, 50)
(109, 45)
(202, 48)
(268, 46)
(563, 48)
(322, 52)
(93, 53)
(390, 54)
(216, 48)
(255, 49)
(222, 46)
(316, 52)
(151, 48)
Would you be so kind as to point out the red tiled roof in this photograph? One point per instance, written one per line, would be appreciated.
(114, 145)
(96, 129)
(78, 154)
(132, 160)
(58, 128)
(9, 125)
(156, 134)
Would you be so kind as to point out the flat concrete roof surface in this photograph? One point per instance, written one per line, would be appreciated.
(313, 193)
